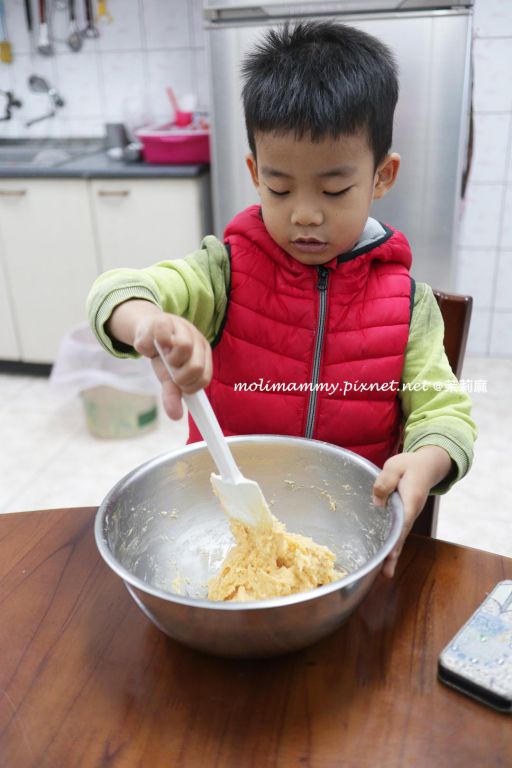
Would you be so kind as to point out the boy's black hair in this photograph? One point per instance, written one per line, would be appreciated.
(321, 79)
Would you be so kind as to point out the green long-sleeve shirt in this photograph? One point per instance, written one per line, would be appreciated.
(435, 410)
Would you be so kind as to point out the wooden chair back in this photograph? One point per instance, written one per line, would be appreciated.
(456, 311)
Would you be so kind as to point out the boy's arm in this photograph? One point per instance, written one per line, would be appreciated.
(436, 410)
(439, 431)
(194, 288)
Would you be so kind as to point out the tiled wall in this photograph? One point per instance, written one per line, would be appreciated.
(154, 43)
(121, 76)
(484, 264)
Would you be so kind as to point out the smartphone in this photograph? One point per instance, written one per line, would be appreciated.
(478, 660)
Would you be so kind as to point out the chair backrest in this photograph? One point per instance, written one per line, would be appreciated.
(456, 311)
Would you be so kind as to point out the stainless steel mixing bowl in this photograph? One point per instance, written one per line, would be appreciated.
(163, 532)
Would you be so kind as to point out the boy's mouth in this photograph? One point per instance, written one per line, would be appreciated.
(309, 244)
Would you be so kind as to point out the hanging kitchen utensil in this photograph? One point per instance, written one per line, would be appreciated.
(103, 12)
(90, 28)
(74, 38)
(241, 498)
(44, 46)
(5, 46)
(28, 14)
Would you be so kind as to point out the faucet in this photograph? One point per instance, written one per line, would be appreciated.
(40, 85)
(11, 102)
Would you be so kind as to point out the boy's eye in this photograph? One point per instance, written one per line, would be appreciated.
(337, 194)
(279, 194)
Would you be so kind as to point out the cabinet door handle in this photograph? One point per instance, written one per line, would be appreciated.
(113, 192)
(12, 192)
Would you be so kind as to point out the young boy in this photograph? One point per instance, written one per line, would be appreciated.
(306, 320)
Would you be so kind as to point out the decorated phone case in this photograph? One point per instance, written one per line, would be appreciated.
(478, 660)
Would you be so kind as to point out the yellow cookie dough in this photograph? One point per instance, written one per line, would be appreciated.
(270, 562)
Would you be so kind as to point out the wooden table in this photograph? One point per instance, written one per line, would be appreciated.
(86, 680)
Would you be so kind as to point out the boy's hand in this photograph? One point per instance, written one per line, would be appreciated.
(139, 323)
(187, 351)
(413, 475)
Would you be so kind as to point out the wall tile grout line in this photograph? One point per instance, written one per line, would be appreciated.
(500, 248)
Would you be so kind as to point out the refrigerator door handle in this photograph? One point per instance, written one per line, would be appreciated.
(247, 10)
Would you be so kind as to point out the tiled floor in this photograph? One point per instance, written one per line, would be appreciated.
(48, 458)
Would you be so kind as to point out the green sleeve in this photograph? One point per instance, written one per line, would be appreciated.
(436, 410)
(195, 288)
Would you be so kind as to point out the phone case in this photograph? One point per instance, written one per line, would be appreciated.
(478, 660)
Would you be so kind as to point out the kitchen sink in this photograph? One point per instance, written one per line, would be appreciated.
(45, 153)
(15, 156)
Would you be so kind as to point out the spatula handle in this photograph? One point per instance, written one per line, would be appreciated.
(206, 422)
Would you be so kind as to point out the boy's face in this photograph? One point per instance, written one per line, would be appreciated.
(316, 196)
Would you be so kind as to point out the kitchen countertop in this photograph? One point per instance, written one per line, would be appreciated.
(99, 166)
(87, 680)
(87, 160)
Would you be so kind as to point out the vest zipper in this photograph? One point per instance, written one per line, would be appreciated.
(323, 276)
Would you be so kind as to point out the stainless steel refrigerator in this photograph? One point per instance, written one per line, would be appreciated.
(432, 43)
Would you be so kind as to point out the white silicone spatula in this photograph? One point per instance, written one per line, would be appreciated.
(241, 498)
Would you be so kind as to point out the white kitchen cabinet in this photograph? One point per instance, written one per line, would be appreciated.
(49, 258)
(58, 234)
(9, 349)
(142, 221)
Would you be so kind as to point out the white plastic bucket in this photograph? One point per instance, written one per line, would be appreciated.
(119, 394)
(112, 413)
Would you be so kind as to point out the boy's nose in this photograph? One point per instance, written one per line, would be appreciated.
(305, 216)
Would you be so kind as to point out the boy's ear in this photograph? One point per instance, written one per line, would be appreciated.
(385, 175)
(253, 169)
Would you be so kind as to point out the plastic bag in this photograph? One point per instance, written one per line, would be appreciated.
(83, 364)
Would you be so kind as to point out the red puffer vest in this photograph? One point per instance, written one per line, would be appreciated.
(343, 326)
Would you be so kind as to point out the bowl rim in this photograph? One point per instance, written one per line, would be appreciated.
(394, 502)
